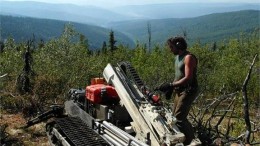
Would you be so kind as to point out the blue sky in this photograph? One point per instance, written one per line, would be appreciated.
(111, 3)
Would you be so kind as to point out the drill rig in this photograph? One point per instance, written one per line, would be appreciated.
(116, 110)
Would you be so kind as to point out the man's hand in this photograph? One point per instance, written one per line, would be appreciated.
(167, 89)
(164, 87)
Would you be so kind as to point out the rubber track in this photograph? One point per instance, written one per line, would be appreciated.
(134, 75)
(79, 133)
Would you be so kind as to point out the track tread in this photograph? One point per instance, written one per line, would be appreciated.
(79, 133)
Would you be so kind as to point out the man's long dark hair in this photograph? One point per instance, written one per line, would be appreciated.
(178, 42)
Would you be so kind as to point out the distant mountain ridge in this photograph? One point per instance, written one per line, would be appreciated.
(24, 28)
(66, 12)
(183, 10)
(101, 17)
(208, 28)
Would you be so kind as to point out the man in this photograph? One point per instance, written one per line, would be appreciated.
(185, 85)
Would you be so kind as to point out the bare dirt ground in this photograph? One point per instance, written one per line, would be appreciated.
(15, 135)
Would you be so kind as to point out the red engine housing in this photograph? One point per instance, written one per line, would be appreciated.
(101, 93)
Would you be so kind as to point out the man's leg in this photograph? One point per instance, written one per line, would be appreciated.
(181, 111)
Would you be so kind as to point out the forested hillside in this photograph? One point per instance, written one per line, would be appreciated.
(206, 29)
(25, 28)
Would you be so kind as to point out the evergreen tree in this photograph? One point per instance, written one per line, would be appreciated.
(149, 35)
(1, 46)
(104, 47)
(24, 84)
(84, 43)
(112, 41)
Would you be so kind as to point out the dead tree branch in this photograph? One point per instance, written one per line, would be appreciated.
(222, 117)
(246, 111)
(218, 101)
(3, 75)
(230, 125)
